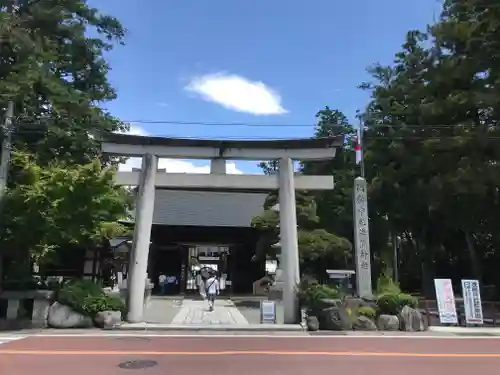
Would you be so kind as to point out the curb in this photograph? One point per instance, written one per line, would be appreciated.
(221, 328)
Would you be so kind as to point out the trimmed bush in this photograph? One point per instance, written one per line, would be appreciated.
(367, 311)
(94, 304)
(407, 300)
(310, 293)
(392, 303)
(386, 284)
(88, 298)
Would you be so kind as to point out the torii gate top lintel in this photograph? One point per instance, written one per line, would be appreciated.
(185, 148)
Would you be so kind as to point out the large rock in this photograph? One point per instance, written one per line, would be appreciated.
(312, 323)
(335, 319)
(388, 323)
(411, 320)
(107, 319)
(326, 303)
(62, 316)
(364, 323)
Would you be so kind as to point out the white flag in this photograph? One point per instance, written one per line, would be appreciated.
(357, 147)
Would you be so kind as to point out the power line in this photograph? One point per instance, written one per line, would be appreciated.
(268, 125)
(368, 136)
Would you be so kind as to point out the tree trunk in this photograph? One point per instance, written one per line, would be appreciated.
(428, 269)
(474, 260)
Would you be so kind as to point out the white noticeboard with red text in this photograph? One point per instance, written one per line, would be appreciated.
(472, 302)
(445, 301)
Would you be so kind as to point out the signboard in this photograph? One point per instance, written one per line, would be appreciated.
(268, 312)
(362, 239)
(472, 302)
(445, 301)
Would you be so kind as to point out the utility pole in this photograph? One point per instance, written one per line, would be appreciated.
(6, 149)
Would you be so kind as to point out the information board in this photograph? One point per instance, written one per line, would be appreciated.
(268, 312)
(446, 301)
(472, 302)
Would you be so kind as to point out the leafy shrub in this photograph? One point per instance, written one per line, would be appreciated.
(392, 303)
(93, 304)
(386, 284)
(408, 300)
(367, 311)
(74, 293)
(310, 293)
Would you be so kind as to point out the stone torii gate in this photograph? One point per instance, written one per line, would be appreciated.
(218, 152)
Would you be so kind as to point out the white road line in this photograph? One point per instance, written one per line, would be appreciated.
(266, 336)
(7, 339)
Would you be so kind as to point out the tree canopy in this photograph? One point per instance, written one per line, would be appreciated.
(61, 206)
(52, 67)
(431, 154)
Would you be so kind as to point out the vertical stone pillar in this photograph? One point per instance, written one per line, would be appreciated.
(289, 244)
(362, 239)
(136, 281)
(218, 166)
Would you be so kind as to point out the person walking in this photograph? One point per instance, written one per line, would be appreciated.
(212, 290)
(162, 283)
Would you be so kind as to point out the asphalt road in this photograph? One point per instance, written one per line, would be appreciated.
(248, 355)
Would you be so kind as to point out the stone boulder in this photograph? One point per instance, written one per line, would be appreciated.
(326, 303)
(388, 323)
(411, 320)
(335, 319)
(363, 323)
(312, 323)
(62, 316)
(107, 319)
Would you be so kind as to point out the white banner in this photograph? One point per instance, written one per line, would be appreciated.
(472, 302)
(445, 301)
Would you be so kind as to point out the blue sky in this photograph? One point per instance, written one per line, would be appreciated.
(259, 62)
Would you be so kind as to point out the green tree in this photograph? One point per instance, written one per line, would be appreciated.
(431, 156)
(335, 207)
(53, 68)
(318, 249)
(61, 206)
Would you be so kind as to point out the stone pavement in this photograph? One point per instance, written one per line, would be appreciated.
(193, 315)
(162, 310)
(197, 313)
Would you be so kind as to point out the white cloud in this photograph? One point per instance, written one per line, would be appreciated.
(135, 130)
(237, 93)
(172, 165)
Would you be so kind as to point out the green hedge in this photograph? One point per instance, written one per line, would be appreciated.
(310, 293)
(367, 311)
(392, 303)
(88, 298)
